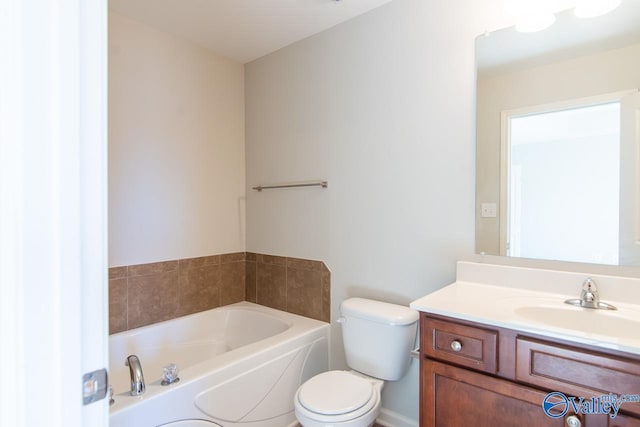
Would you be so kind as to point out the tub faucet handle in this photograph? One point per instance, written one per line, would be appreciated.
(170, 374)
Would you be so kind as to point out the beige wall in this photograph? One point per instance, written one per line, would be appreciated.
(383, 107)
(596, 74)
(176, 148)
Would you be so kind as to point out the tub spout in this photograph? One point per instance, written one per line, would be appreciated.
(137, 379)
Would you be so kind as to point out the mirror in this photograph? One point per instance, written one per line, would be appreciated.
(574, 66)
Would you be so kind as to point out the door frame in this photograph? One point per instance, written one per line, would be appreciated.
(53, 210)
(505, 149)
(629, 242)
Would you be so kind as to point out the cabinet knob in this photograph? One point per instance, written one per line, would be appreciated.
(456, 345)
(573, 421)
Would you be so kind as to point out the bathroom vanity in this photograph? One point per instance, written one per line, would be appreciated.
(498, 341)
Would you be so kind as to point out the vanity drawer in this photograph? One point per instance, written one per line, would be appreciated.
(461, 344)
(576, 372)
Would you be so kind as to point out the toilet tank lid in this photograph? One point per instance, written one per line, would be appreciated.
(378, 311)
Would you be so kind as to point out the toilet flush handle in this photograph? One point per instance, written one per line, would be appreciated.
(341, 319)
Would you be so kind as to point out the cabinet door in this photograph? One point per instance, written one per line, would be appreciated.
(575, 371)
(624, 421)
(452, 396)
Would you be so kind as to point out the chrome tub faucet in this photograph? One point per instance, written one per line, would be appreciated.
(137, 378)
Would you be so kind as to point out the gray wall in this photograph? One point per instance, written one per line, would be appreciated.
(383, 107)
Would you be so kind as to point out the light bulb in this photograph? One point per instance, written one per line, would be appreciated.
(593, 8)
(531, 15)
(535, 22)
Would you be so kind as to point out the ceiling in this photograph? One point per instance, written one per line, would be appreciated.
(243, 30)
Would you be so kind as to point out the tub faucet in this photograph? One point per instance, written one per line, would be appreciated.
(589, 297)
(137, 379)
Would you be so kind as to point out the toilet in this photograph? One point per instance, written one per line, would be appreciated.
(377, 338)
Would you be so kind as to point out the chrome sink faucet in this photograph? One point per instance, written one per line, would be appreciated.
(137, 378)
(589, 297)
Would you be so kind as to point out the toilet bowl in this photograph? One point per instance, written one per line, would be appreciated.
(338, 398)
(377, 338)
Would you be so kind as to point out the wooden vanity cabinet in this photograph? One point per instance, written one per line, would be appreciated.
(479, 375)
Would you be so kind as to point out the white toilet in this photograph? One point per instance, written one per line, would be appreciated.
(378, 338)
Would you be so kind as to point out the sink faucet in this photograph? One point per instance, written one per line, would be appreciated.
(137, 379)
(589, 297)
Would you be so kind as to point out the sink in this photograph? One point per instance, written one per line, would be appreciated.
(623, 323)
(532, 301)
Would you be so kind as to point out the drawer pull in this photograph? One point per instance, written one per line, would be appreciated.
(573, 421)
(456, 346)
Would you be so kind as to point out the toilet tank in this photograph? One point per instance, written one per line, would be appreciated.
(378, 337)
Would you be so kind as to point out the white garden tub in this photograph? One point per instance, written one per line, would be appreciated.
(240, 365)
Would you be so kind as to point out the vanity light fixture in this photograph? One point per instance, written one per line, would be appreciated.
(536, 15)
(535, 22)
(593, 8)
(531, 15)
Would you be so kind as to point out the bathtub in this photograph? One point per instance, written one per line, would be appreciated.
(240, 365)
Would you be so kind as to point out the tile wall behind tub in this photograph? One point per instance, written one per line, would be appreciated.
(144, 294)
(299, 286)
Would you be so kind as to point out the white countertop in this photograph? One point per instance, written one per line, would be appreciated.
(542, 312)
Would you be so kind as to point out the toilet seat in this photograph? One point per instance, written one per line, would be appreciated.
(335, 393)
(336, 397)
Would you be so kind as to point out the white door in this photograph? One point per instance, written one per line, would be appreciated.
(629, 180)
(53, 240)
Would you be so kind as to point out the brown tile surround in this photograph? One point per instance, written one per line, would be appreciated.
(144, 294)
(295, 285)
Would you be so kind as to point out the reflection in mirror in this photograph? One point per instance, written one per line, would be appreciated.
(558, 130)
(558, 163)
